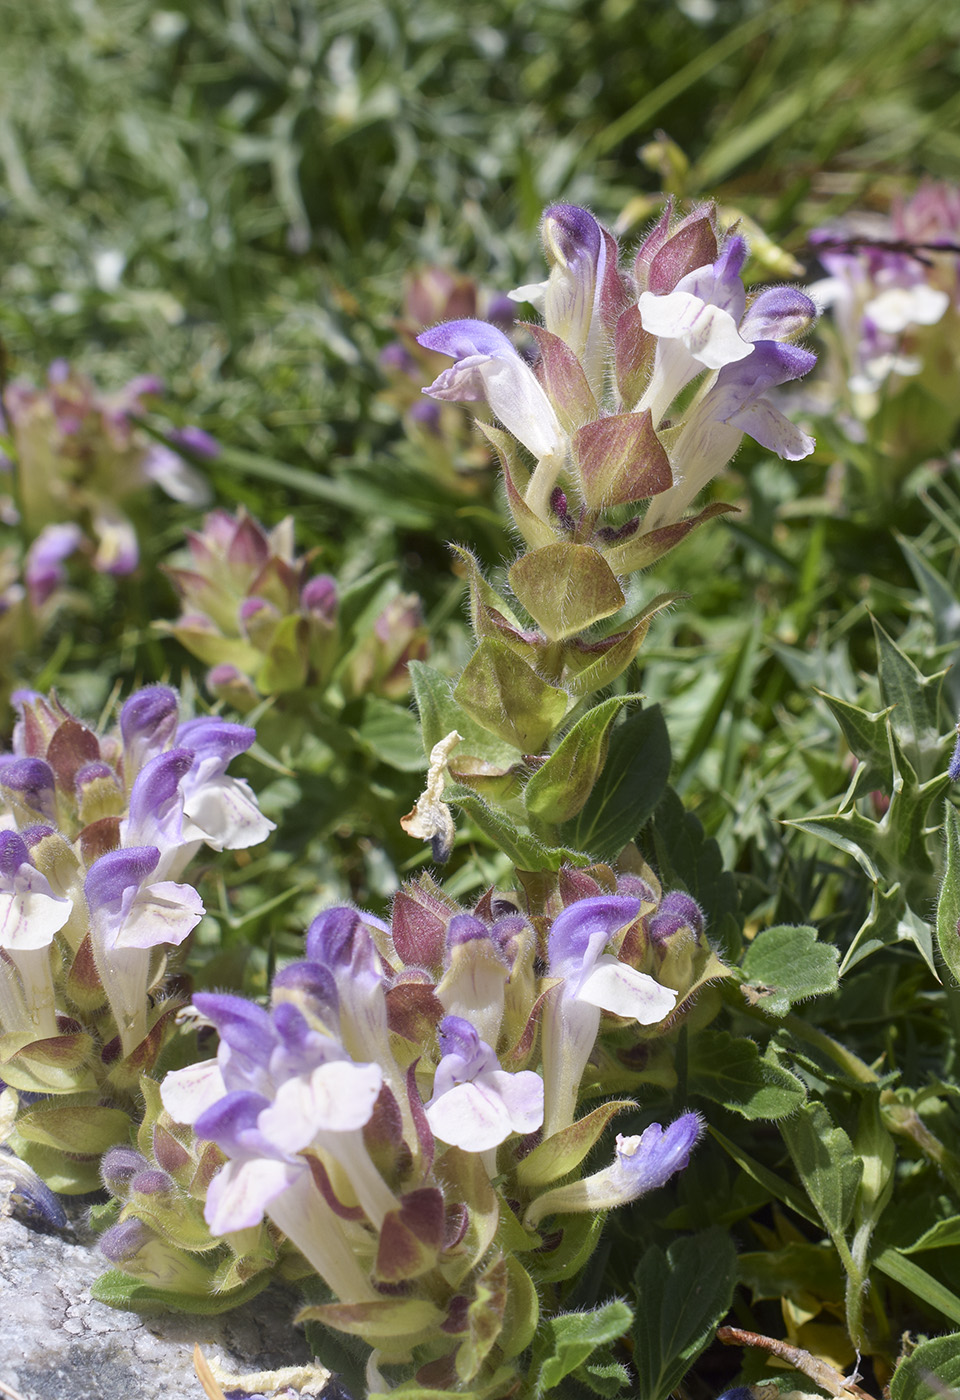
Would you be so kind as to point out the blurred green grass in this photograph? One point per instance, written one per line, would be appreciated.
(230, 191)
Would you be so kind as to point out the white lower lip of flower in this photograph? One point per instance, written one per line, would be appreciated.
(896, 308)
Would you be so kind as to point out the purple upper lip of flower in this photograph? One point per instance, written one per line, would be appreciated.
(211, 737)
(147, 711)
(13, 853)
(113, 874)
(155, 798)
(579, 935)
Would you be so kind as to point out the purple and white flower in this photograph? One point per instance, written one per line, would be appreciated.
(43, 570)
(219, 810)
(641, 1164)
(279, 1089)
(589, 981)
(30, 917)
(613, 363)
(489, 368)
(476, 1105)
(130, 914)
(736, 403)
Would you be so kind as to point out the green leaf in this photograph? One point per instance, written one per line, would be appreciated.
(440, 714)
(521, 847)
(603, 1375)
(559, 789)
(866, 735)
(775, 1185)
(392, 734)
(384, 1319)
(918, 1282)
(75, 1128)
(873, 1144)
(932, 1372)
(738, 666)
(792, 1270)
(826, 1164)
(362, 599)
(786, 965)
(729, 1070)
(506, 696)
(566, 1149)
(566, 588)
(630, 786)
(570, 1339)
(285, 665)
(943, 1235)
(523, 1309)
(916, 705)
(687, 859)
(879, 928)
(364, 498)
(948, 906)
(939, 594)
(850, 832)
(412, 1391)
(120, 1290)
(680, 1297)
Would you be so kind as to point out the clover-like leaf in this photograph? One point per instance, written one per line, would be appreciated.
(787, 964)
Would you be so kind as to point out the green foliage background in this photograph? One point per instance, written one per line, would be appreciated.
(269, 172)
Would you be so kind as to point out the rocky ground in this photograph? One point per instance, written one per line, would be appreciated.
(58, 1344)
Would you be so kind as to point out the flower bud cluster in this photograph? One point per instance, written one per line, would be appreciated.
(74, 455)
(893, 294)
(257, 615)
(405, 1112)
(97, 832)
(158, 1234)
(440, 432)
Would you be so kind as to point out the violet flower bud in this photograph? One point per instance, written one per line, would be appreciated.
(677, 910)
(196, 441)
(319, 598)
(151, 1182)
(30, 784)
(29, 1196)
(641, 1164)
(119, 1167)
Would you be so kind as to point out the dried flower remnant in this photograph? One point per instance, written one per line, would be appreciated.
(431, 819)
